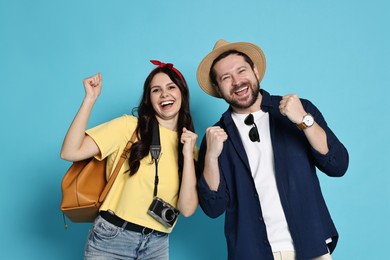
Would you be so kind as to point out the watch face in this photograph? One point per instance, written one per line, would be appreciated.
(308, 120)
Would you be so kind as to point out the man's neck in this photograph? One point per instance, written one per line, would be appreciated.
(253, 108)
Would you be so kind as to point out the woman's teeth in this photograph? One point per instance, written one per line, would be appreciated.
(166, 103)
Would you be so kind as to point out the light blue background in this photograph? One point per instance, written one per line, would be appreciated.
(335, 53)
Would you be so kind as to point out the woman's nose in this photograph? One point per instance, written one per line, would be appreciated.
(163, 93)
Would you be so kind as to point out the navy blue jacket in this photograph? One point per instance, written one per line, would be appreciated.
(299, 189)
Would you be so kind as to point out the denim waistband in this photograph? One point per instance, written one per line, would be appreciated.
(117, 221)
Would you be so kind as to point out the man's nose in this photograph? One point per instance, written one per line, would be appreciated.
(236, 81)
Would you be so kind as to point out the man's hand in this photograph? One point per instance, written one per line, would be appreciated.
(291, 106)
(215, 137)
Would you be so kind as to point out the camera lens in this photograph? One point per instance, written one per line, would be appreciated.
(168, 215)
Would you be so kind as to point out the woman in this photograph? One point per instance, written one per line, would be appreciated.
(125, 228)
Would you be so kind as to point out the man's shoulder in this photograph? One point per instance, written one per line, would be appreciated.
(277, 98)
(219, 123)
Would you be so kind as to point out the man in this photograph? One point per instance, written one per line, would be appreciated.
(257, 164)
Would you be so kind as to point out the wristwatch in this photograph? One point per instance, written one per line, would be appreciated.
(308, 121)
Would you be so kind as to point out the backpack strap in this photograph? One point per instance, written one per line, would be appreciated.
(124, 156)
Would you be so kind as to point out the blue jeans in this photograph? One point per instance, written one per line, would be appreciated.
(107, 241)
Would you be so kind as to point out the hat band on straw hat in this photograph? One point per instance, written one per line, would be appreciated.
(251, 50)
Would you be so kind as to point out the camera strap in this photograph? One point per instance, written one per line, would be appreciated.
(155, 149)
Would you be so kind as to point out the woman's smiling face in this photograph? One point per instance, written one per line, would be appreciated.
(165, 97)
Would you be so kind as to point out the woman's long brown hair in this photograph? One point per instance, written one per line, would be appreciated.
(147, 115)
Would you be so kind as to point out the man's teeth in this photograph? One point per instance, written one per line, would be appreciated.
(240, 89)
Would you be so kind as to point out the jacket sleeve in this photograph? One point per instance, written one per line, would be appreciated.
(335, 162)
(213, 203)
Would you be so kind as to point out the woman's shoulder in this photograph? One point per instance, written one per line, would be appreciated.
(129, 121)
(121, 124)
(129, 118)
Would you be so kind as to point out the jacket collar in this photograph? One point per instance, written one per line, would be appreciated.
(265, 105)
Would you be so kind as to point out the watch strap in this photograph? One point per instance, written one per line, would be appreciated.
(303, 125)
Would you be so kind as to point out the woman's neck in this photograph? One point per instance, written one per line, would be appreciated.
(170, 124)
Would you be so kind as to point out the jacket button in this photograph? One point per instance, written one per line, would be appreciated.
(261, 219)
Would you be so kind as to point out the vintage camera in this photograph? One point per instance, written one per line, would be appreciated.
(163, 212)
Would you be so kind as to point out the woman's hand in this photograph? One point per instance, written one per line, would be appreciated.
(93, 86)
(188, 139)
(188, 196)
(77, 145)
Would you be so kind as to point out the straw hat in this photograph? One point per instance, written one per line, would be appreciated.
(253, 51)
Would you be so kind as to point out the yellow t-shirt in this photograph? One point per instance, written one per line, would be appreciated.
(130, 197)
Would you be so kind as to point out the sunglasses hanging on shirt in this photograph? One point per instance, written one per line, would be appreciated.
(253, 133)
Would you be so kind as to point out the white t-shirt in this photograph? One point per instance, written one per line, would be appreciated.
(261, 161)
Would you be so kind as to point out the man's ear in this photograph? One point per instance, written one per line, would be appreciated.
(216, 87)
(256, 72)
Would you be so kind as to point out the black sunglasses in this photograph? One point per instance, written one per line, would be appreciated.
(253, 133)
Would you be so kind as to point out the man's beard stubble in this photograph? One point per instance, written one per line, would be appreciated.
(254, 96)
